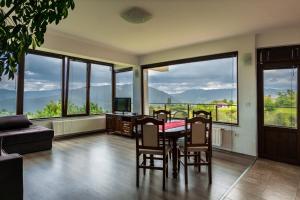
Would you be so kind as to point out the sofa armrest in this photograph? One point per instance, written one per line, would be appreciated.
(11, 177)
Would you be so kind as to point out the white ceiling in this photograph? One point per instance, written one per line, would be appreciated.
(175, 22)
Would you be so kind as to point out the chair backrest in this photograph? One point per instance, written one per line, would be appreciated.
(150, 133)
(162, 115)
(201, 113)
(199, 129)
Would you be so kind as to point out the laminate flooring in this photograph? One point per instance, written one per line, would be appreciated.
(102, 166)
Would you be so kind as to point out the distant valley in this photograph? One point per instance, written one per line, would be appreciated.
(36, 100)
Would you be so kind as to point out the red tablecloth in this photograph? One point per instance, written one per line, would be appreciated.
(173, 124)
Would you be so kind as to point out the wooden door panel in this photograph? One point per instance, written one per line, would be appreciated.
(280, 144)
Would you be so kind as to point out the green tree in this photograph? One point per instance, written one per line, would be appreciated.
(269, 103)
(286, 99)
(23, 23)
(95, 109)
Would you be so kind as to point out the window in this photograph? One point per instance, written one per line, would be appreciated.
(7, 96)
(57, 85)
(280, 97)
(42, 86)
(77, 88)
(124, 81)
(100, 89)
(194, 84)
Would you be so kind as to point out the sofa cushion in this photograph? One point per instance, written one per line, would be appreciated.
(25, 135)
(14, 122)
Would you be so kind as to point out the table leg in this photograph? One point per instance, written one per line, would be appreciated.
(1, 140)
(175, 157)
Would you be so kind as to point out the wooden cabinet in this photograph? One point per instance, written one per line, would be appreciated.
(122, 124)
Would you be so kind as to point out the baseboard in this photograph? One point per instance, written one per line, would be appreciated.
(79, 134)
(234, 153)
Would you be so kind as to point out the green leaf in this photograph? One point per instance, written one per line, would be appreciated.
(30, 19)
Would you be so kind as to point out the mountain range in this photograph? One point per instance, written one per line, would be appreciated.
(36, 100)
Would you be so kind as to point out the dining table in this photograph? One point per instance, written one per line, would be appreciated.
(173, 134)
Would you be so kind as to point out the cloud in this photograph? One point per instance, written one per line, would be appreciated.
(213, 74)
(280, 79)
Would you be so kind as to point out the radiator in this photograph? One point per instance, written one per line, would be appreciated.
(227, 139)
(217, 137)
(222, 138)
(78, 125)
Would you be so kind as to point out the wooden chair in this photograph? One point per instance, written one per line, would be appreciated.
(149, 146)
(197, 140)
(162, 115)
(201, 113)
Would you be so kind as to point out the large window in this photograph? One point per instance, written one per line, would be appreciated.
(77, 88)
(7, 96)
(42, 86)
(101, 89)
(56, 85)
(124, 81)
(208, 84)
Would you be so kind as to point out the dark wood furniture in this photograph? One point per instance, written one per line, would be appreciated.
(173, 135)
(197, 140)
(277, 142)
(199, 113)
(162, 115)
(150, 147)
(122, 124)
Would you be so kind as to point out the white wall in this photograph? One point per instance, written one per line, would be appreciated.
(58, 42)
(278, 37)
(245, 139)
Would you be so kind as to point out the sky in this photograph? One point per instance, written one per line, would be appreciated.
(207, 75)
(45, 73)
(282, 79)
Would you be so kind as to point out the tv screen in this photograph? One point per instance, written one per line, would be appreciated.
(122, 104)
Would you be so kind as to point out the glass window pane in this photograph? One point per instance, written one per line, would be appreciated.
(42, 86)
(280, 97)
(124, 84)
(7, 96)
(204, 85)
(77, 88)
(101, 89)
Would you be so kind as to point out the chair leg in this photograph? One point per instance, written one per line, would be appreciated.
(145, 162)
(151, 160)
(178, 157)
(185, 170)
(199, 160)
(167, 167)
(209, 170)
(137, 171)
(164, 172)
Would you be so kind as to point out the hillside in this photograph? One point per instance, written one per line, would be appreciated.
(100, 94)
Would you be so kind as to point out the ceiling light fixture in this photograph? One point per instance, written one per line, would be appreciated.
(136, 15)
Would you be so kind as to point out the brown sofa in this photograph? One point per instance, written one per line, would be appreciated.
(24, 137)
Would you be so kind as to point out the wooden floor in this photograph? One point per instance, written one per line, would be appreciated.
(268, 180)
(103, 167)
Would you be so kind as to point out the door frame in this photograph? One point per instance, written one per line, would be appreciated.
(260, 104)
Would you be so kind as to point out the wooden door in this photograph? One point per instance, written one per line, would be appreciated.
(278, 121)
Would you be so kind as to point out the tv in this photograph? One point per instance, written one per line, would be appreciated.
(122, 105)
